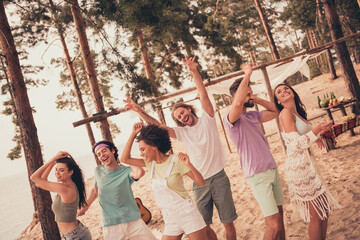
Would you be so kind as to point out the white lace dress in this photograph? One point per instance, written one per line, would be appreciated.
(304, 183)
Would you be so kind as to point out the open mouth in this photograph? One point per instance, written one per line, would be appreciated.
(186, 119)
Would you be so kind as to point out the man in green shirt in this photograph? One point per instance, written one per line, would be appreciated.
(120, 214)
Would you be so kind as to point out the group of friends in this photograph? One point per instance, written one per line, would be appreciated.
(204, 163)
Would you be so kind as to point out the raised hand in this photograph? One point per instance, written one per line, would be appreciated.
(137, 127)
(61, 155)
(247, 69)
(131, 105)
(184, 158)
(190, 63)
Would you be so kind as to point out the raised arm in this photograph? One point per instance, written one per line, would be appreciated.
(126, 154)
(204, 98)
(194, 174)
(131, 105)
(91, 198)
(39, 177)
(270, 111)
(240, 95)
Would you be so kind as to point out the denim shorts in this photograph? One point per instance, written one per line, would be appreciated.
(216, 191)
(267, 189)
(81, 232)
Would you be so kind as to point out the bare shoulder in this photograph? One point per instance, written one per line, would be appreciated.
(287, 114)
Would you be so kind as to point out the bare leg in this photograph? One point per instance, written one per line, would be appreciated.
(273, 226)
(230, 231)
(198, 235)
(210, 233)
(317, 227)
(282, 229)
(324, 228)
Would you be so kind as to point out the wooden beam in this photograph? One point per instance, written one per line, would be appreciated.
(216, 80)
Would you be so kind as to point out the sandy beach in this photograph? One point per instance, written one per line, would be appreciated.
(339, 168)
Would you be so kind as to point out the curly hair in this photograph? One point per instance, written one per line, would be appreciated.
(77, 177)
(155, 136)
(111, 147)
(183, 105)
(300, 107)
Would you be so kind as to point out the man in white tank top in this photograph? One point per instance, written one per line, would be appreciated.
(203, 145)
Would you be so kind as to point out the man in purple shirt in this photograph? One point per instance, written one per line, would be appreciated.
(256, 161)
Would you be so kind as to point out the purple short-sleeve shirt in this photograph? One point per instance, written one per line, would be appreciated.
(250, 142)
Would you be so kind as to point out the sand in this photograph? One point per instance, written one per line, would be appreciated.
(340, 169)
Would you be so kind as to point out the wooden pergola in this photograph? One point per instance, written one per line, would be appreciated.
(235, 75)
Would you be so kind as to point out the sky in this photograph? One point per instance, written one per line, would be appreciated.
(54, 127)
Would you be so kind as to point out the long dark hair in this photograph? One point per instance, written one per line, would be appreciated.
(184, 105)
(300, 107)
(77, 177)
(155, 136)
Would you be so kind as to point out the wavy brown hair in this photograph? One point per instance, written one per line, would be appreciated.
(300, 107)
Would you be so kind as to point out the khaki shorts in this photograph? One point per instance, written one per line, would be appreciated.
(215, 191)
(135, 230)
(267, 189)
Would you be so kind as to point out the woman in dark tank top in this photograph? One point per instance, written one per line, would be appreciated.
(71, 195)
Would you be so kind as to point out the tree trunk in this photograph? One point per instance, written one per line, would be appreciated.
(341, 49)
(331, 64)
(32, 187)
(274, 52)
(297, 40)
(72, 72)
(90, 68)
(145, 57)
(31, 145)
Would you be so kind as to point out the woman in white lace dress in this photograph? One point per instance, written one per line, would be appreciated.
(307, 192)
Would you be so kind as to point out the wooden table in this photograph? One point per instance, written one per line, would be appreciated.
(341, 106)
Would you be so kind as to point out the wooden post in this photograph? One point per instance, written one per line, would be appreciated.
(222, 125)
(271, 97)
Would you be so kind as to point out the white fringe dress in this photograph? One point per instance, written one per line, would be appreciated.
(304, 183)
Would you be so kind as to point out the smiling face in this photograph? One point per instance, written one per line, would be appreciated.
(62, 172)
(147, 151)
(283, 94)
(184, 116)
(106, 156)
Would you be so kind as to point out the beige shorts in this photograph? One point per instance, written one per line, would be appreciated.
(135, 230)
(267, 189)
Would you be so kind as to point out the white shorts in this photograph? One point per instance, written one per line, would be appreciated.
(186, 219)
(135, 230)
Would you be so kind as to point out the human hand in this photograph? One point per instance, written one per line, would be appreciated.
(131, 105)
(190, 63)
(82, 211)
(247, 68)
(184, 158)
(137, 127)
(60, 155)
(326, 125)
(320, 143)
